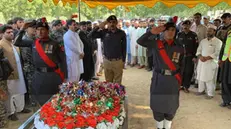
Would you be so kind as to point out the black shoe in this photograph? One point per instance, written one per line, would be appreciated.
(186, 90)
(95, 78)
(26, 111)
(13, 117)
(224, 104)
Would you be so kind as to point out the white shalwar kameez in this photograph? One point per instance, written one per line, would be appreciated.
(16, 89)
(73, 48)
(207, 71)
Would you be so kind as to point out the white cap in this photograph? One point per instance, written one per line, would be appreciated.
(212, 27)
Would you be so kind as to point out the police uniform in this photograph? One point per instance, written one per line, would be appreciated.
(114, 50)
(45, 80)
(164, 92)
(225, 74)
(190, 41)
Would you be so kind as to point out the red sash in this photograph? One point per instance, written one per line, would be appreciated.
(167, 60)
(47, 60)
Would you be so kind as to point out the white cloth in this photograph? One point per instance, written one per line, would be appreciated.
(15, 103)
(17, 86)
(210, 86)
(16, 89)
(99, 55)
(206, 71)
(73, 48)
(134, 37)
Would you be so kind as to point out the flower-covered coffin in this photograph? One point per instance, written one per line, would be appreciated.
(96, 105)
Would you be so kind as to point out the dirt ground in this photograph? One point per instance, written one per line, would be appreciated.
(195, 112)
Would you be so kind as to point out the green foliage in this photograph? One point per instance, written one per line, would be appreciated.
(37, 9)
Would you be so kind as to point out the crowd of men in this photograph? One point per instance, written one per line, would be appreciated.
(42, 55)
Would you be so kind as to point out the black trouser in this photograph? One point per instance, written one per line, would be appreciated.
(150, 62)
(187, 71)
(161, 116)
(226, 92)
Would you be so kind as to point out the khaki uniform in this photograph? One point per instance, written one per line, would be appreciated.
(113, 70)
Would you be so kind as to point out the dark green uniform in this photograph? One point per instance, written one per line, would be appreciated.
(28, 68)
(45, 81)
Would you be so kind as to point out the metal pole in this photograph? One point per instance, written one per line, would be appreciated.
(79, 9)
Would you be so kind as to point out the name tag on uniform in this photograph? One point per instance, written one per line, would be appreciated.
(50, 49)
(176, 57)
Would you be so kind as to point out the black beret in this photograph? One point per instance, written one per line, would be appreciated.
(225, 15)
(42, 22)
(83, 23)
(57, 22)
(169, 25)
(112, 17)
(186, 22)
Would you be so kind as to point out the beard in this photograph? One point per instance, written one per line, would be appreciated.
(210, 35)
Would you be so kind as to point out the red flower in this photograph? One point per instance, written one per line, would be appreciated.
(108, 118)
(61, 125)
(91, 122)
(80, 121)
(69, 120)
(100, 118)
(51, 122)
(70, 126)
(59, 118)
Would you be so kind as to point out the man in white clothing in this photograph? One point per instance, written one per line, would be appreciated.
(134, 36)
(74, 52)
(208, 52)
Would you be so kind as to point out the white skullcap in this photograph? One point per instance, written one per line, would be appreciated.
(95, 22)
(212, 27)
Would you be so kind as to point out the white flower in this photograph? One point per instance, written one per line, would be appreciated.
(117, 123)
(121, 120)
(101, 125)
(89, 128)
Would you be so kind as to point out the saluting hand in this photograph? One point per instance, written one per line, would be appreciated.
(26, 25)
(157, 30)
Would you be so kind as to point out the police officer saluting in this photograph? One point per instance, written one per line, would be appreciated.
(166, 80)
(114, 48)
(190, 40)
(47, 61)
